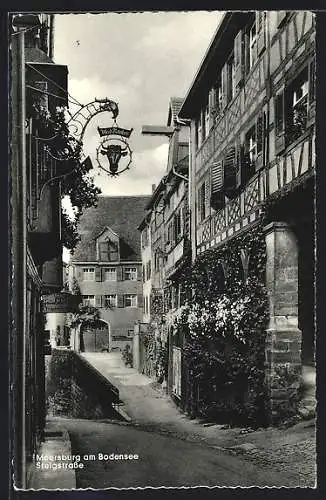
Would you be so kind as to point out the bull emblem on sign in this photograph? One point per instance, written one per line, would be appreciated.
(114, 152)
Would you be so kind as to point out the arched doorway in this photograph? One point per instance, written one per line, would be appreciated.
(95, 338)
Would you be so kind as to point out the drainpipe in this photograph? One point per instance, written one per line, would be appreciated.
(179, 175)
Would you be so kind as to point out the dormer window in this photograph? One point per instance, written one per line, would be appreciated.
(108, 251)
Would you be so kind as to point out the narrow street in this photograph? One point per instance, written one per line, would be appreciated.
(174, 450)
(163, 461)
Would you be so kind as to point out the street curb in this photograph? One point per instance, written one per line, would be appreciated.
(56, 442)
(121, 412)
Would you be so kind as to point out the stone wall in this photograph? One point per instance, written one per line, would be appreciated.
(283, 342)
(75, 389)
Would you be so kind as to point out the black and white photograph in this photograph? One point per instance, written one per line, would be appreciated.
(162, 173)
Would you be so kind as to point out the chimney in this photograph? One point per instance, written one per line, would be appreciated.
(153, 187)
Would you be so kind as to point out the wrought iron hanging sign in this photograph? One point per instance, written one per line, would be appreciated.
(114, 154)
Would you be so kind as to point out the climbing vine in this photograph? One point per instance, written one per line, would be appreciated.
(223, 323)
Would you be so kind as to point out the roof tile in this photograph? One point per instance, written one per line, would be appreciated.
(123, 215)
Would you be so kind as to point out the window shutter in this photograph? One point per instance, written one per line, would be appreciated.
(207, 198)
(198, 196)
(239, 164)
(279, 122)
(98, 300)
(230, 171)
(312, 92)
(139, 273)
(261, 31)
(212, 103)
(119, 274)
(260, 137)
(238, 58)
(217, 181)
(98, 274)
(140, 300)
(224, 84)
(120, 301)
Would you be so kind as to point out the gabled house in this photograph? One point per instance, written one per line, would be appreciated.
(107, 266)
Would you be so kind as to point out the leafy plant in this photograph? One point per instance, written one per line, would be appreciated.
(77, 182)
(224, 332)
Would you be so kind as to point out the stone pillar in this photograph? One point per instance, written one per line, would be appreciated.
(283, 341)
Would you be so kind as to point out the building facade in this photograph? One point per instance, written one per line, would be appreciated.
(252, 112)
(35, 225)
(108, 269)
(165, 234)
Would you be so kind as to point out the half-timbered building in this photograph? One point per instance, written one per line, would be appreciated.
(252, 111)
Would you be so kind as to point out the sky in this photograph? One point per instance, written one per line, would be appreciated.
(139, 60)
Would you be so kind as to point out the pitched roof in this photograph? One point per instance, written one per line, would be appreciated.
(175, 106)
(123, 215)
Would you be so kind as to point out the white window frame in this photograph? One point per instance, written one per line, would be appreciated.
(206, 122)
(107, 273)
(108, 302)
(252, 146)
(199, 130)
(304, 87)
(132, 272)
(88, 273)
(89, 300)
(133, 300)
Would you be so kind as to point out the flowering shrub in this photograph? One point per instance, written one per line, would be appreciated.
(224, 333)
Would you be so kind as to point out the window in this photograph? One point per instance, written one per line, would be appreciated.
(170, 233)
(148, 270)
(251, 145)
(130, 273)
(89, 300)
(110, 274)
(250, 153)
(89, 273)
(206, 121)
(177, 225)
(110, 301)
(252, 45)
(231, 87)
(108, 251)
(203, 201)
(294, 108)
(297, 112)
(218, 94)
(199, 130)
(255, 146)
(130, 300)
(216, 97)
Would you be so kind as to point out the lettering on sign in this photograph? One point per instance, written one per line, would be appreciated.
(60, 302)
(123, 132)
